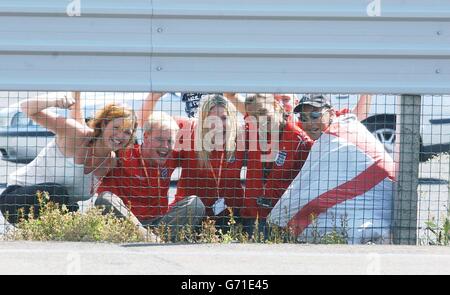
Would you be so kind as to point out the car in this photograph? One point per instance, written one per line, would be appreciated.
(381, 121)
(21, 139)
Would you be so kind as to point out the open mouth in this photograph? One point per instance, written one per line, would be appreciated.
(163, 154)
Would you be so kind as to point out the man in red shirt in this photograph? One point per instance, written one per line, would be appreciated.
(141, 180)
(276, 150)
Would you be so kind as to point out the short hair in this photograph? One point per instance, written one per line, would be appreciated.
(160, 120)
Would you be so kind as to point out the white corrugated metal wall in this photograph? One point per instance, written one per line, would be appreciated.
(214, 45)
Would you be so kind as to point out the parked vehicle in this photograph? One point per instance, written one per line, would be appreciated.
(381, 121)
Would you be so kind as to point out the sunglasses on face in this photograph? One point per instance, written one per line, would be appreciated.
(310, 116)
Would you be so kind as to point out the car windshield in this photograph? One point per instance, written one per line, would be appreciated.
(20, 119)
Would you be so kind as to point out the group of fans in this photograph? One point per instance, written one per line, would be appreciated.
(309, 167)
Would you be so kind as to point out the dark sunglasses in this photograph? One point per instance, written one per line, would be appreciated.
(310, 116)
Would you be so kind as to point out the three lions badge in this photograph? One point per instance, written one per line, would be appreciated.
(281, 158)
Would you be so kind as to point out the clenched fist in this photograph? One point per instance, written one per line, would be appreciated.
(65, 102)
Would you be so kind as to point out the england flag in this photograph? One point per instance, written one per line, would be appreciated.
(345, 186)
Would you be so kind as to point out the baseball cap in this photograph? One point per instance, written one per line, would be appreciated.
(315, 100)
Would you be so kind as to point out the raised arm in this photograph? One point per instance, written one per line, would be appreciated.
(69, 133)
(237, 100)
(147, 107)
(75, 111)
(362, 108)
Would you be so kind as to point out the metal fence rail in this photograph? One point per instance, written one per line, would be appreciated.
(262, 46)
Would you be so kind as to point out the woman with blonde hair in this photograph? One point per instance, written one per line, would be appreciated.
(211, 159)
(69, 167)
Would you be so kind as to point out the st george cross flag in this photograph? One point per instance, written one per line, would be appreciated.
(345, 185)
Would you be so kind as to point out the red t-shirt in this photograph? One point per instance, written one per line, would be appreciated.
(128, 180)
(294, 147)
(208, 183)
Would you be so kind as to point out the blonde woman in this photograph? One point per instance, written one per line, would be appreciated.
(211, 159)
(69, 166)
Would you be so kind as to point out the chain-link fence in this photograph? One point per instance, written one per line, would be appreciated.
(192, 167)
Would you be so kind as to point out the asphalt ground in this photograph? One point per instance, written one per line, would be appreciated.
(219, 259)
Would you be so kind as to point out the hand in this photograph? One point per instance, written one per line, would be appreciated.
(230, 95)
(65, 102)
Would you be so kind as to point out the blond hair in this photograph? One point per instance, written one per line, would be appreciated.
(109, 113)
(209, 102)
(161, 121)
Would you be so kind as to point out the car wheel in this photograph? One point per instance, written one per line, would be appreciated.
(385, 132)
(383, 128)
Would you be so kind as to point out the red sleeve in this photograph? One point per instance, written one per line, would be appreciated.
(112, 182)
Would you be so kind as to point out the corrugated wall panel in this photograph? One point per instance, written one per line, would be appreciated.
(212, 45)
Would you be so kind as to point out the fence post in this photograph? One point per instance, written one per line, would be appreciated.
(407, 158)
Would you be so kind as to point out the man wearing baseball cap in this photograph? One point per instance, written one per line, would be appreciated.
(316, 114)
(346, 180)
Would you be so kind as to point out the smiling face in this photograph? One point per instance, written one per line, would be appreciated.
(157, 145)
(315, 120)
(117, 133)
(218, 114)
(260, 106)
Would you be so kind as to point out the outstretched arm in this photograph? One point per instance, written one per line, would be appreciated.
(147, 107)
(237, 100)
(362, 108)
